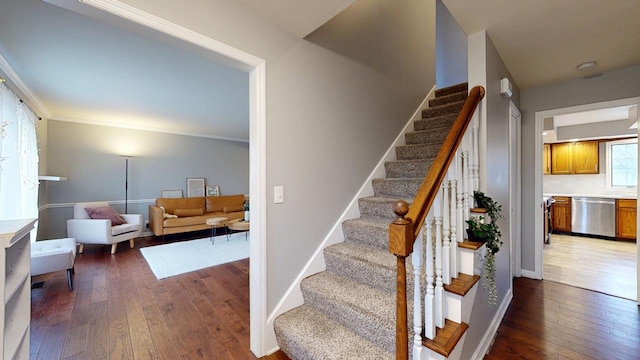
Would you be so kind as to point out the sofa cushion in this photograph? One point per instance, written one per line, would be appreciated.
(124, 228)
(171, 204)
(233, 208)
(106, 212)
(216, 204)
(188, 212)
(187, 221)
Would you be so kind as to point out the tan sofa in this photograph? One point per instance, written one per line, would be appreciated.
(178, 215)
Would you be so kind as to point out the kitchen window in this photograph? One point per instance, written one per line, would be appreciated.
(622, 164)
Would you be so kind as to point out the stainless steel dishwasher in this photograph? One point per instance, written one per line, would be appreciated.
(593, 216)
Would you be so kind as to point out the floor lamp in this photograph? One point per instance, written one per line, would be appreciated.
(126, 182)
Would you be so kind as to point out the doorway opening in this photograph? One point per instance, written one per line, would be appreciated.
(556, 255)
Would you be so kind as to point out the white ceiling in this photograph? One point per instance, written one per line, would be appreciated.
(87, 71)
(542, 41)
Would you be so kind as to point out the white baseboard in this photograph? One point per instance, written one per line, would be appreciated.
(293, 296)
(489, 335)
(530, 274)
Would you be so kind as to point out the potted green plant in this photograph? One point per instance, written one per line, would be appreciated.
(488, 233)
(246, 210)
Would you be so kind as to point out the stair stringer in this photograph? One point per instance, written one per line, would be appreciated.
(455, 354)
(293, 296)
(459, 308)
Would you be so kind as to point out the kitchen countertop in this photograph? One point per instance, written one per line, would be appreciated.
(608, 196)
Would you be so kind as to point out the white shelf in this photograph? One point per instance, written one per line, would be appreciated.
(15, 257)
(52, 178)
(12, 284)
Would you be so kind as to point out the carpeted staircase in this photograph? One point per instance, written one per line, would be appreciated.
(349, 309)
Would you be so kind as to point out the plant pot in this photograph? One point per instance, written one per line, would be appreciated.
(474, 238)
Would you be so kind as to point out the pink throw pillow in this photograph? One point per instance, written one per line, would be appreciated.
(106, 212)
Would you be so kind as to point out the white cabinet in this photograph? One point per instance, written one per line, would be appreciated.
(15, 315)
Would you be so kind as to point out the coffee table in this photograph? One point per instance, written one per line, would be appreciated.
(239, 225)
(215, 223)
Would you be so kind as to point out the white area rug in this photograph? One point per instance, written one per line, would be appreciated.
(186, 256)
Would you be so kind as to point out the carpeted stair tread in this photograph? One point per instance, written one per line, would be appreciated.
(397, 187)
(304, 333)
(349, 309)
(373, 233)
(435, 122)
(445, 99)
(379, 207)
(362, 309)
(372, 267)
(452, 89)
(449, 108)
(431, 136)
(414, 168)
(420, 151)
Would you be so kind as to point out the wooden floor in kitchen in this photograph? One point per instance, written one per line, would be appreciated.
(607, 266)
(118, 309)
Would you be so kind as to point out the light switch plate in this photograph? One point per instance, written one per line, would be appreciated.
(278, 194)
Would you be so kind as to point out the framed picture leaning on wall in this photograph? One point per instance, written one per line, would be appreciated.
(213, 190)
(195, 187)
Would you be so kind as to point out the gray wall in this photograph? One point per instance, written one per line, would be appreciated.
(332, 111)
(496, 186)
(614, 85)
(89, 156)
(451, 49)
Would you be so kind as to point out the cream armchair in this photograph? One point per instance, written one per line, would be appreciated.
(97, 229)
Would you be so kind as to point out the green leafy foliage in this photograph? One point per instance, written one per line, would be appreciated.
(489, 233)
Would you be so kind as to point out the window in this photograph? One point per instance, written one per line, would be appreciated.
(622, 167)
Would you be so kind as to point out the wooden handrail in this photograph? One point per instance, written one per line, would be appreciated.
(404, 230)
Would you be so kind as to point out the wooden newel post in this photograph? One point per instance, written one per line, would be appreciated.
(401, 245)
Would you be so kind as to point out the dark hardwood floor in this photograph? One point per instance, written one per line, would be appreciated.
(549, 320)
(119, 310)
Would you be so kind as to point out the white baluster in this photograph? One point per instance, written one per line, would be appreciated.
(417, 259)
(429, 306)
(439, 291)
(460, 196)
(446, 213)
(466, 178)
(475, 162)
(453, 251)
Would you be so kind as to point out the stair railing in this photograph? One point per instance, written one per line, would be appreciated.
(407, 227)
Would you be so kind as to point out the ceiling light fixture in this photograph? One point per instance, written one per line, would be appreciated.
(586, 65)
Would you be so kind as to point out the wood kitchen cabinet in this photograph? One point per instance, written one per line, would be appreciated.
(626, 214)
(580, 157)
(561, 214)
(585, 157)
(561, 159)
(546, 159)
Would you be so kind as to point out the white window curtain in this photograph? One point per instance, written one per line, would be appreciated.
(18, 158)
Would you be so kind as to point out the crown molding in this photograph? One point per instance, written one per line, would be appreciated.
(223, 53)
(24, 90)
